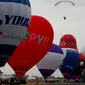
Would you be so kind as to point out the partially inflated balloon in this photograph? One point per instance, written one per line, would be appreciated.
(51, 61)
(70, 62)
(81, 65)
(68, 43)
(82, 57)
(29, 52)
(14, 20)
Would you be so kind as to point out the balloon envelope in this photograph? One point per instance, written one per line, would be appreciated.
(14, 20)
(33, 49)
(81, 65)
(51, 61)
(70, 62)
(68, 41)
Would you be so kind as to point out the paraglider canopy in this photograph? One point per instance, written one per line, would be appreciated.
(59, 3)
(65, 1)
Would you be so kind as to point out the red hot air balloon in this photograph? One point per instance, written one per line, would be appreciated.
(38, 41)
(81, 65)
(68, 41)
(71, 61)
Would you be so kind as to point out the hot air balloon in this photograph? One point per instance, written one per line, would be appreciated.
(70, 62)
(36, 44)
(68, 41)
(78, 70)
(81, 61)
(14, 20)
(51, 61)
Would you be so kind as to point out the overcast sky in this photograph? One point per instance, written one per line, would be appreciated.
(75, 18)
(74, 24)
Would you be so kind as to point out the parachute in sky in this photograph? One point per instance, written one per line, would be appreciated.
(59, 3)
(65, 1)
(14, 20)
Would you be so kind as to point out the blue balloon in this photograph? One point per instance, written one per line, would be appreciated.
(51, 61)
(70, 62)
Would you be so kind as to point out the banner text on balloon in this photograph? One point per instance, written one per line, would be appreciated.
(41, 39)
(14, 20)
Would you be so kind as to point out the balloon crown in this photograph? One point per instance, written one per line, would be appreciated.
(68, 41)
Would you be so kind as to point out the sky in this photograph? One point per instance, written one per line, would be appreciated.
(74, 24)
(54, 14)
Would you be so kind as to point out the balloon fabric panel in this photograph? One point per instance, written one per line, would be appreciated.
(33, 49)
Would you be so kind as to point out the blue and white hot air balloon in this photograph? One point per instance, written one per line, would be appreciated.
(14, 20)
(71, 61)
(51, 61)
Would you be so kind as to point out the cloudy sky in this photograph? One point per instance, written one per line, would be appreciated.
(74, 24)
(75, 18)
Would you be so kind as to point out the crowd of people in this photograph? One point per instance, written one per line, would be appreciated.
(12, 81)
(37, 80)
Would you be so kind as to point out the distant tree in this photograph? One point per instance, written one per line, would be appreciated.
(14, 76)
(21, 80)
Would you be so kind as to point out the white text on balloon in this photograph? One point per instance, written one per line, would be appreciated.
(34, 36)
(15, 20)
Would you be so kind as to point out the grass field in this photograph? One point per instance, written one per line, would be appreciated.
(55, 84)
(50, 84)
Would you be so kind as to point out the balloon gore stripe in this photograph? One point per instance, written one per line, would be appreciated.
(25, 2)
